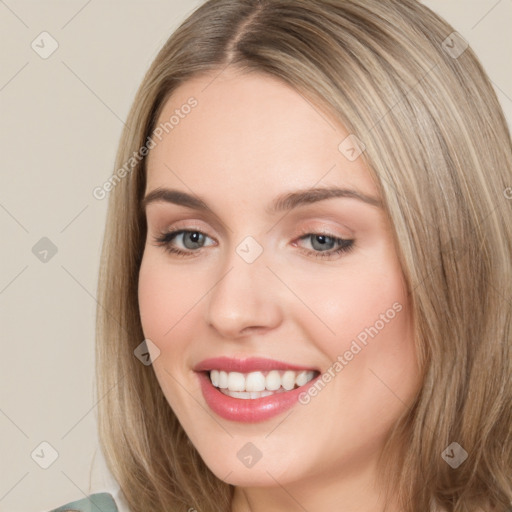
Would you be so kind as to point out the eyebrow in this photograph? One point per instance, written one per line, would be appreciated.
(283, 202)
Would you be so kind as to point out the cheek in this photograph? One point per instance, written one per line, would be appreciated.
(153, 302)
(362, 304)
(165, 299)
(166, 305)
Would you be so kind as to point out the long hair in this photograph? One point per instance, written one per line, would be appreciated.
(436, 141)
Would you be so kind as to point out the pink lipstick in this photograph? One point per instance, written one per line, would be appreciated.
(254, 389)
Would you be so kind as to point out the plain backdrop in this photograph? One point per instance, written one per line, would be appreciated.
(61, 119)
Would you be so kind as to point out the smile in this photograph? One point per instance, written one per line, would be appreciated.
(252, 390)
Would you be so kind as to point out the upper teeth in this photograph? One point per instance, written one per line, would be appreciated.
(258, 381)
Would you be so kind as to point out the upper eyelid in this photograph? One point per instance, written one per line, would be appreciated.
(190, 225)
(221, 228)
(153, 218)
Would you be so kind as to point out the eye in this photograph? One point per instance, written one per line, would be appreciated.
(190, 241)
(327, 245)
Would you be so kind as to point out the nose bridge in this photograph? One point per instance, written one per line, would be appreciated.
(243, 296)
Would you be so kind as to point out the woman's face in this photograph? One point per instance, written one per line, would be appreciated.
(277, 285)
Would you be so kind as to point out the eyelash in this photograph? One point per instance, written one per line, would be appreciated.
(345, 245)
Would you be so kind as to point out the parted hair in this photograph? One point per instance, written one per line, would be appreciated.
(436, 141)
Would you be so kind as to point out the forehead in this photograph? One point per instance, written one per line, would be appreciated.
(251, 131)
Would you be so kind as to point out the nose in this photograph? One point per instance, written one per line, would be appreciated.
(245, 299)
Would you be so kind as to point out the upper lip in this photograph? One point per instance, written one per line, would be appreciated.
(251, 364)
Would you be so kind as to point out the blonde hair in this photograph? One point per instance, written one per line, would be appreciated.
(394, 74)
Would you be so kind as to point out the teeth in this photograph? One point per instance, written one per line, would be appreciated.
(288, 380)
(273, 381)
(214, 377)
(255, 381)
(223, 380)
(236, 381)
(303, 378)
(247, 395)
(257, 384)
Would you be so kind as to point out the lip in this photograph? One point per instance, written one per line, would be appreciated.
(252, 364)
(248, 410)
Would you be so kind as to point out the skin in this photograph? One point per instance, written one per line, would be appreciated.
(250, 139)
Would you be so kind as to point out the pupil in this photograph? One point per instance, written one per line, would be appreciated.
(194, 238)
(324, 242)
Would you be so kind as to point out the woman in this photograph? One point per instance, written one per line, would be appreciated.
(305, 296)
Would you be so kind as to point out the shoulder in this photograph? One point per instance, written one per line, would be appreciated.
(101, 501)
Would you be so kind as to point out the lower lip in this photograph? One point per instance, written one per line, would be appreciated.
(248, 410)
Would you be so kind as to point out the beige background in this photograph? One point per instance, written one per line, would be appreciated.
(60, 123)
